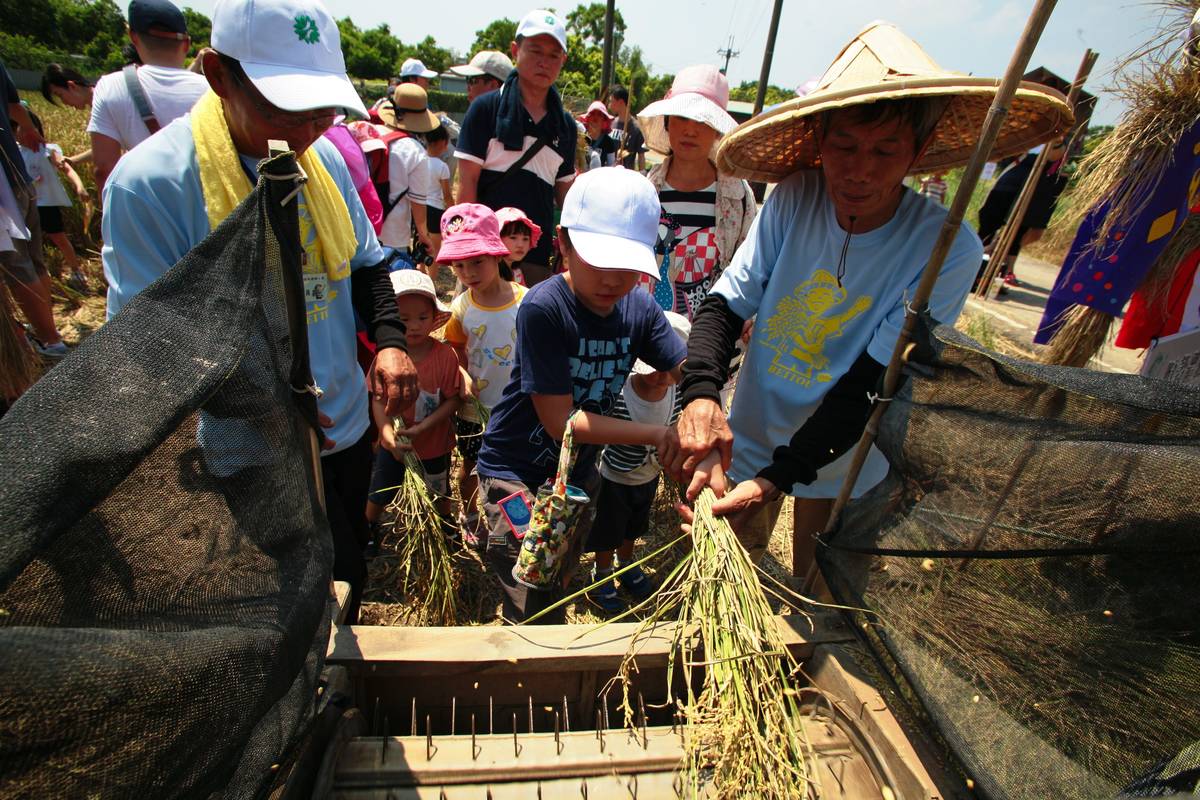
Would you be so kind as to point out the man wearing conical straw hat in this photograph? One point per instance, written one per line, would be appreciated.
(825, 271)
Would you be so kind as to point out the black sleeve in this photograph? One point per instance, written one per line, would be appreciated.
(834, 428)
(715, 331)
(375, 301)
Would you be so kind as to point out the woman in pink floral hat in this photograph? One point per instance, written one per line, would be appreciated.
(705, 215)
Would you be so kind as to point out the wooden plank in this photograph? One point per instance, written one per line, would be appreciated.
(495, 649)
(341, 595)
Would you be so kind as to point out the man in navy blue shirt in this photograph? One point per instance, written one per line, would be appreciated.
(517, 144)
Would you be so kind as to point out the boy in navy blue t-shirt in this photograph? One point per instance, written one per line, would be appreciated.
(578, 335)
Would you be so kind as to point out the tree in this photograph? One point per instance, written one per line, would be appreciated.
(747, 91)
(363, 59)
(588, 23)
(199, 28)
(433, 57)
(498, 35)
(387, 48)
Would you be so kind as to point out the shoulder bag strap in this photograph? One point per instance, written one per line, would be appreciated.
(140, 102)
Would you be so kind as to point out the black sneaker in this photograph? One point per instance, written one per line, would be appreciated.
(606, 597)
(637, 583)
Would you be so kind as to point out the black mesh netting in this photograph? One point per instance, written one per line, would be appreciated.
(1048, 675)
(164, 567)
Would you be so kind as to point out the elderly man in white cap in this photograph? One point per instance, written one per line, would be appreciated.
(517, 146)
(485, 72)
(275, 72)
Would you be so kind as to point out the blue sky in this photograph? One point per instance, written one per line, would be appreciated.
(976, 36)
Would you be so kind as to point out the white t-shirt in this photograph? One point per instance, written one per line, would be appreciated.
(438, 171)
(489, 335)
(50, 191)
(171, 93)
(408, 168)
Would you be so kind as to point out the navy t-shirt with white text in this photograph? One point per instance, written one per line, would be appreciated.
(564, 348)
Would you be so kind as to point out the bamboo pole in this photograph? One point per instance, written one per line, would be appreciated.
(941, 248)
(1008, 234)
(764, 75)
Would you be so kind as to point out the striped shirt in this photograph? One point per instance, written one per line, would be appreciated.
(691, 211)
(634, 465)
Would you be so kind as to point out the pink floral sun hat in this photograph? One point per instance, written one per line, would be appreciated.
(699, 93)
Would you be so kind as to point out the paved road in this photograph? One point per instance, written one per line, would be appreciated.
(1016, 315)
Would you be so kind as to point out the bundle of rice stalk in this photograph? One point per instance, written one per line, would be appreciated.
(18, 366)
(425, 569)
(743, 733)
(1162, 90)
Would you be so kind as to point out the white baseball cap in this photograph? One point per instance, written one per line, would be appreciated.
(540, 22)
(290, 50)
(612, 216)
(415, 68)
(486, 62)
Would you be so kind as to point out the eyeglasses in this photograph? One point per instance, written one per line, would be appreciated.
(277, 117)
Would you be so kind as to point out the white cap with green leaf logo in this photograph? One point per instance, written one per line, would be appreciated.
(290, 50)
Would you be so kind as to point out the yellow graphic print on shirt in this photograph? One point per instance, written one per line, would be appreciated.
(802, 323)
(318, 293)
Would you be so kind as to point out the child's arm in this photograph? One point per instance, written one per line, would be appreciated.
(444, 411)
(447, 195)
(554, 409)
(65, 168)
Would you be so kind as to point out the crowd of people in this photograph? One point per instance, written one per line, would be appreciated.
(589, 287)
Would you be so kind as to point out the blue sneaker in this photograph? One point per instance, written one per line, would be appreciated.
(605, 597)
(637, 583)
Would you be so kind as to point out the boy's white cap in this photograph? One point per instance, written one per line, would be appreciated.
(679, 323)
(414, 281)
(486, 62)
(415, 68)
(540, 22)
(290, 50)
(612, 215)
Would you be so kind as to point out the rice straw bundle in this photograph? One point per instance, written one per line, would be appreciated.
(1162, 90)
(743, 734)
(1083, 334)
(426, 571)
(18, 366)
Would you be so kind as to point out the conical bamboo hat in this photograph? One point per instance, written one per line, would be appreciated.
(882, 63)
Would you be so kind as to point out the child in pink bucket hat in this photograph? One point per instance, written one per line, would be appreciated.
(520, 234)
(483, 332)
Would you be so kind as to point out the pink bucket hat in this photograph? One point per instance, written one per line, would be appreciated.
(510, 214)
(700, 93)
(470, 230)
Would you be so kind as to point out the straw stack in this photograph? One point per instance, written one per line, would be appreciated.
(425, 569)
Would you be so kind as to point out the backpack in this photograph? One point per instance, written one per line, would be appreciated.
(377, 163)
(376, 148)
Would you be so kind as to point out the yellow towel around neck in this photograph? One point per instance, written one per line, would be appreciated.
(225, 184)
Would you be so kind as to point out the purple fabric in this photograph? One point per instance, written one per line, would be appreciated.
(1105, 277)
(356, 162)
